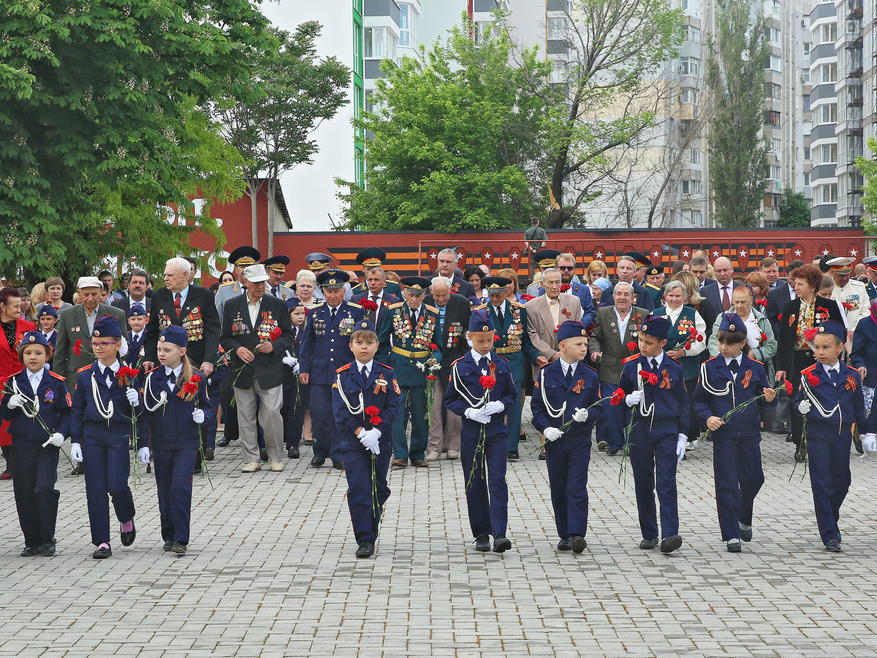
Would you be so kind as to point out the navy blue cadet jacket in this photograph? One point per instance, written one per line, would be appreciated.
(381, 390)
(54, 402)
(171, 424)
(665, 402)
(551, 392)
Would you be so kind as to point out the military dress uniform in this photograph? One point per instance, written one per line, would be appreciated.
(871, 263)
(371, 257)
(325, 347)
(35, 464)
(484, 468)
(837, 406)
(660, 421)
(723, 385)
(409, 342)
(352, 394)
(277, 264)
(559, 391)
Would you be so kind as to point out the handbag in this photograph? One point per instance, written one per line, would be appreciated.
(777, 418)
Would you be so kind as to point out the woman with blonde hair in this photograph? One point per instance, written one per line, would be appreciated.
(596, 269)
(513, 292)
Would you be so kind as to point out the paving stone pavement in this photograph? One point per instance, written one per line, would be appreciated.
(271, 572)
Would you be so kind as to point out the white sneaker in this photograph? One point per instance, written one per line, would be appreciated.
(691, 445)
(453, 454)
(432, 456)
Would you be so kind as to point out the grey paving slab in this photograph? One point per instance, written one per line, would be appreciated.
(270, 572)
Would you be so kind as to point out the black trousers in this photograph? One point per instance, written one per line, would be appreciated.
(36, 499)
(801, 359)
(229, 413)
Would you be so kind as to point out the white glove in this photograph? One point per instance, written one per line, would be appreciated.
(477, 415)
(295, 369)
(634, 398)
(198, 416)
(133, 398)
(804, 407)
(290, 361)
(56, 439)
(580, 416)
(493, 407)
(16, 402)
(76, 453)
(143, 455)
(869, 442)
(681, 442)
(371, 440)
(552, 434)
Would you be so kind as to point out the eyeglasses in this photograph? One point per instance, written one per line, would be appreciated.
(103, 344)
(566, 268)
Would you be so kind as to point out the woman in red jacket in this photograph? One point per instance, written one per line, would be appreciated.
(13, 329)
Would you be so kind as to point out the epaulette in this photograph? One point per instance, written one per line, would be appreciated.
(57, 376)
(354, 304)
(480, 308)
(589, 366)
(756, 361)
(227, 283)
(631, 358)
(396, 305)
(431, 308)
(390, 368)
(151, 370)
(671, 358)
(17, 373)
(500, 356)
(458, 359)
(808, 369)
(715, 357)
(652, 286)
(84, 368)
(317, 305)
(342, 368)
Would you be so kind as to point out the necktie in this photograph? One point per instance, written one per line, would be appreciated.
(483, 363)
(177, 304)
(274, 291)
(832, 376)
(726, 301)
(654, 364)
(413, 319)
(373, 315)
(499, 314)
(734, 366)
(569, 375)
(363, 373)
(334, 311)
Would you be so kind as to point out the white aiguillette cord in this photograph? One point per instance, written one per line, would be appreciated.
(160, 399)
(465, 393)
(35, 402)
(822, 411)
(353, 410)
(551, 411)
(643, 410)
(106, 412)
(718, 392)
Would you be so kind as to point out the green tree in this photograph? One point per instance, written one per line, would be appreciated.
(454, 139)
(868, 167)
(794, 210)
(292, 93)
(99, 122)
(738, 55)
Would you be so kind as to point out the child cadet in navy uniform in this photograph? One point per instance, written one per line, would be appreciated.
(655, 392)
(174, 400)
(31, 392)
(366, 400)
(831, 400)
(47, 318)
(483, 408)
(101, 431)
(137, 317)
(563, 392)
(728, 381)
(295, 394)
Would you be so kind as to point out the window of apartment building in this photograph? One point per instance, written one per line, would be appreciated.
(357, 49)
(828, 113)
(806, 152)
(691, 7)
(481, 29)
(775, 145)
(827, 154)
(806, 102)
(559, 72)
(827, 33)
(772, 34)
(772, 118)
(375, 42)
(369, 106)
(689, 95)
(827, 73)
(692, 186)
(689, 66)
(773, 90)
(558, 28)
(828, 193)
(806, 45)
(807, 179)
(693, 34)
(693, 217)
(694, 156)
(406, 25)
(775, 63)
(774, 172)
(805, 77)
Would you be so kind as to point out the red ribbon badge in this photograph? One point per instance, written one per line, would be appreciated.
(746, 379)
(851, 383)
(579, 385)
(665, 379)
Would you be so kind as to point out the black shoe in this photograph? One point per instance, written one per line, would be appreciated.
(522, 437)
(514, 456)
(308, 442)
(501, 544)
(564, 544)
(601, 446)
(611, 451)
(745, 532)
(168, 545)
(47, 549)
(671, 543)
(293, 453)
(128, 537)
(482, 543)
(149, 467)
(77, 470)
(858, 444)
(197, 469)
(30, 551)
(209, 454)
(221, 443)
(542, 456)
(339, 465)
(366, 549)
(316, 462)
(799, 456)
(263, 455)
(789, 438)
(102, 552)
(734, 546)
(648, 544)
(833, 546)
(578, 544)
(179, 548)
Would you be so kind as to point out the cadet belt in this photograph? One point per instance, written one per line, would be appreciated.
(411, 355)
(507, 350)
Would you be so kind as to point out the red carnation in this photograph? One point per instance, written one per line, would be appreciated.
(692, 331)
(487, 382)
(564, 287)
(617, 397)
(780, 317)
(761, 302)
(433, 346)
(276, 333)
(196, 379)
(632, 346)
(789, 387)
(375, 420)
(650, 377)
(688, 346)
(812, 379)
(810, 334)
(368, 305)
(699, 338)
(763, 337)
(526, 298)
(496, 337)
(77, 347)
(430, 377)
(372, 411)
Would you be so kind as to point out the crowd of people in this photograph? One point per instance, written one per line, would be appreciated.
(373, 371)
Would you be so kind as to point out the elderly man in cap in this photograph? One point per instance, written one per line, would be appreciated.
(411, 336)
(626, 268)
(871, 270)
(276, 268)
(325, 347)
(241, 258)
(655, 284)
(545, 259)
(850, 294)
(447, 264)
(373, 258)
(257, 332)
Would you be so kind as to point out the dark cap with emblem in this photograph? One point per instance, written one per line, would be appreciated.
(35, 338)
(318, 261)
(546, 258)
(48, 309)
(834, 328)
(136, 309)
(332, 278)
(480, 321)
(641, 259)
(107, 325)
(365, 325)
(732, 322)
(654, 270)
(174, 334)
(276, 263)
(657, 326)
(243, 256)
(870, 262)
(571, 329)
(292, 302)
(415, 284)
(371, 257)
(495, 284)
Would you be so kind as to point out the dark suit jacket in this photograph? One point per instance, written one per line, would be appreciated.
(457, 313)
(789, 330)
(198, 316)
(461, 287)
(605, 339)
(776, 300)
(238, 331)
(125, 305)
(713, 295)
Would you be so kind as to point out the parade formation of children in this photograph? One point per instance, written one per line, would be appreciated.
(160, 414)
